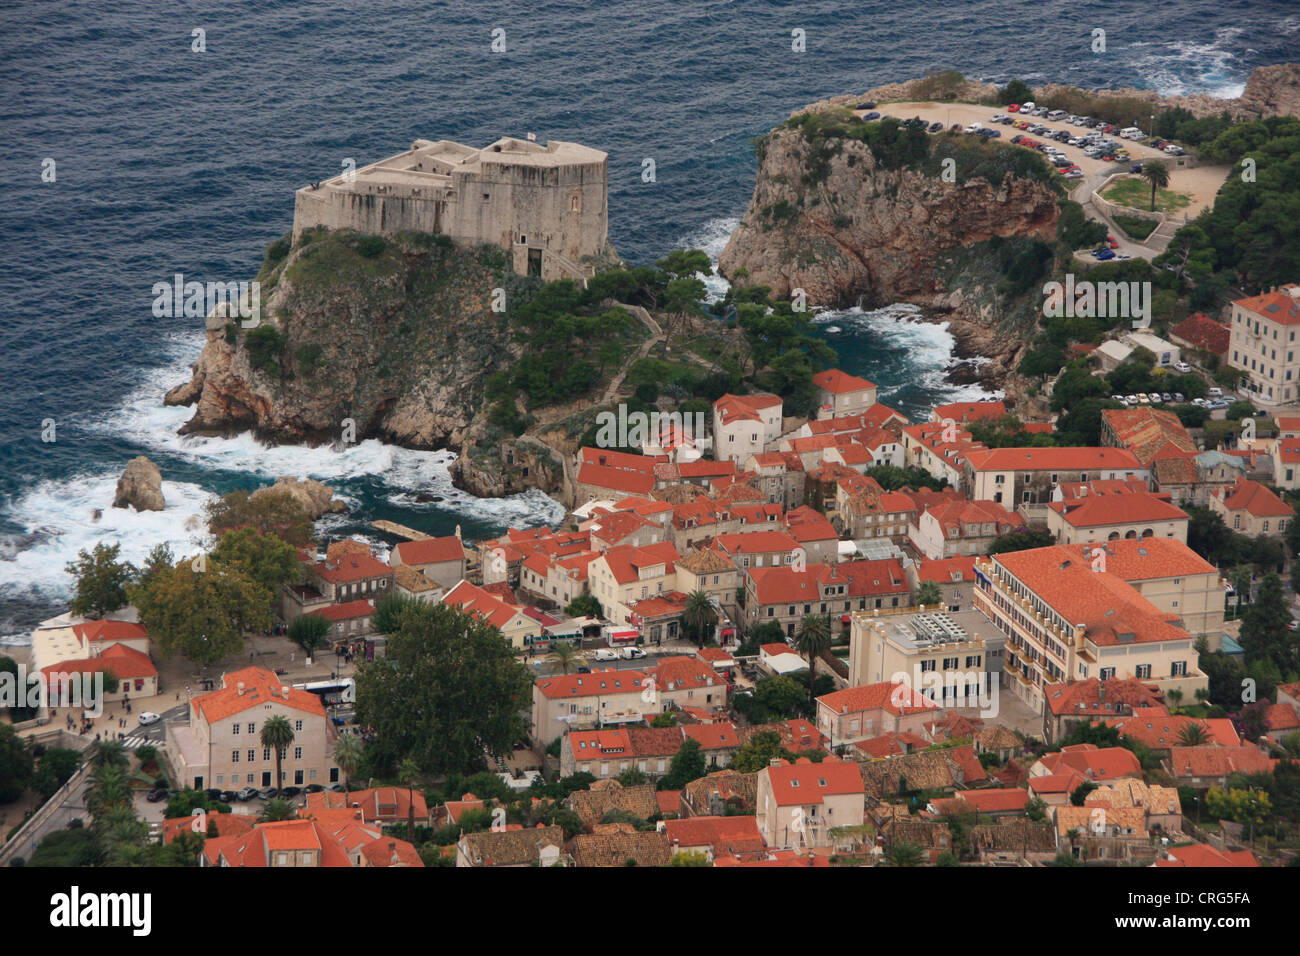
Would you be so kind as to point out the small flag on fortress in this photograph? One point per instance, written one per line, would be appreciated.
(532, 137)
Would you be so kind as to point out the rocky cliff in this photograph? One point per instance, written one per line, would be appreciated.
(361, 337)
(833, 218)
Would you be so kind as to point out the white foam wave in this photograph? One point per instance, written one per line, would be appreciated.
(1183, 67)
(930, 347)
(58, 517)
(711, 238)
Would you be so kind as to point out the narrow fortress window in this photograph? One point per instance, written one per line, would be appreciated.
(575, 202)
(486, 196)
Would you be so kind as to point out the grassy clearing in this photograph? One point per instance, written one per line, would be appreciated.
(1135, 192)
(1135, 228)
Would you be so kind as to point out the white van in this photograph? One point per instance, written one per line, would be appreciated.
(1216, 392)
(1027, 107)
(1055, 114)
(1132, 133)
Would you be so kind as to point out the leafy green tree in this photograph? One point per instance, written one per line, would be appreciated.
(448, 691)
(690, 858)
(16, 767)
(1265, 627)
(686, 765)
(758, 752)
(1021, 539)
(903, 854)
(584, 605)
(632, 777)
(101, 580)
(263, 557)
(270, 512)
(54, 768)
(1016, 91)
(781, 696)
(201, 610)
(310, 631)
(277, 734)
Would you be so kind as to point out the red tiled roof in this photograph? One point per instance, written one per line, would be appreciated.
(805, 782)
(1279, 307)
(1252, 497)
(838, 383)
(261, 686)
(431, 550)
(731, 408)
(1093, 762)
(591, 685)
(1203, 332)
(352, 567)
(346, 611)
(896, 698)
(101, 631)
(1211, 761)
(971, 411)
(1081, 458)
(1201, 854)
(1098, 510)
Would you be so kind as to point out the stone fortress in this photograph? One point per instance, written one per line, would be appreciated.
(544, 204)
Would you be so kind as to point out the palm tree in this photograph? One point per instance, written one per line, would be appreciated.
(1175, 696)
(1157, 174)
(1192, 735)
(348, 753)
(565, 655)
(1202, 694)
(813, 641)
(277, 810)
(107, 753)
(110, 788)
(699, 614)
(408, 772)
(278, 735)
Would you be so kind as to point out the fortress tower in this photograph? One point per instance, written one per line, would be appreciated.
(545, 205)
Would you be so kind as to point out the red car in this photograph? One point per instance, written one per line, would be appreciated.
(1111, 241)
(1013, 108)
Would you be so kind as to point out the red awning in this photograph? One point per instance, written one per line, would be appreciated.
(845, 619)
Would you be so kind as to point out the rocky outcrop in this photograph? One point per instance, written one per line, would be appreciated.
(315, 497)
(1272, 91)
(140, 486)
(870, 235)
(397, 346)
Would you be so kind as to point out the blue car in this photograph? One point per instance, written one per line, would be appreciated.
(1104, 254)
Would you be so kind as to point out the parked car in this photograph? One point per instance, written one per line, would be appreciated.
(1102, 255)
(1112, 242)
(212, 793)
(935, 127)
(1013, 108)
(633, 653)
(1155, 398)
(248, 793)
(156, 796)
(1182, 367)
(582, 670)
(313, 788)
(149, 717)
(866, 106)
(1216, 392)
(1180, 398)
(266, 793)
(1143, 400)
(871, 116)
(974, 127)
(335, 788)
(1135, 168)
(1122, 255)
(1131, 399)
(1166, 397)
(291, 792)
(606, 654)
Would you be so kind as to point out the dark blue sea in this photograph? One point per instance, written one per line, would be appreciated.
(169, 160)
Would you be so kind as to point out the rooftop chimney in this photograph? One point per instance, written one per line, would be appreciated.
(239, 689)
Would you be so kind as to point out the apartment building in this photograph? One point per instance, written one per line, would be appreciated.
(1025, 478)
(840, 394)
(799, 803)
(787, 595)
(1252, 509)
(1108, 516)
(1066, 615)
(1263, 344)
(954, 528)
(744, 425)
(622, 576)
(221, 747)
(935, 653)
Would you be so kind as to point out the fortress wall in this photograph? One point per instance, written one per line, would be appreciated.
(560, 210)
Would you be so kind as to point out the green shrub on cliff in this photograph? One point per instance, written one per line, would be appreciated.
(264, 345)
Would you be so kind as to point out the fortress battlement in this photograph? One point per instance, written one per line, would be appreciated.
(544, 204)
